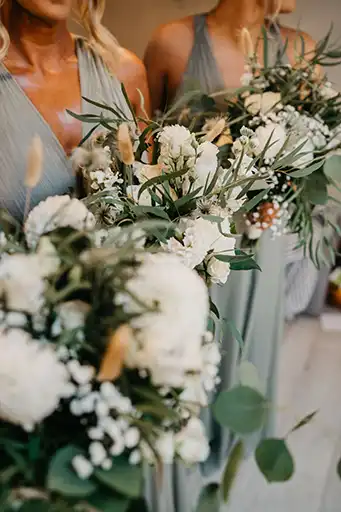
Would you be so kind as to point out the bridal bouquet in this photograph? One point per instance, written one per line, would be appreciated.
(184, 185)
(105, 361)
(291, 115)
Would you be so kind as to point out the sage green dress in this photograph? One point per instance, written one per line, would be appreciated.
(253, 301)
(20, 121)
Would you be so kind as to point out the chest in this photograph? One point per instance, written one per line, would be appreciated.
(52, 94)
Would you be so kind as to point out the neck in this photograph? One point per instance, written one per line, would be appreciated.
(231, 16)
(34, 41)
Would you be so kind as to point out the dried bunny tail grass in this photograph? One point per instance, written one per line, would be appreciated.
(248, 47)
(4, 37)
(34, 163)
(124, 144)
(215, 130)
(113, 360)
(100, 38)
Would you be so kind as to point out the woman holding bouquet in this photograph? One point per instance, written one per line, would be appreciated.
(208, 53)
(45, 71)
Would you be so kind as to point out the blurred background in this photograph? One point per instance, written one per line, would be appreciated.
(132, 21)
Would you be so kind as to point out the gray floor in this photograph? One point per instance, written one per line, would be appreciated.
(309, 379)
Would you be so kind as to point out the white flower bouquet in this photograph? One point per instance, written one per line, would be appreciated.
(292, 116)
(105, 361)
(185, 185)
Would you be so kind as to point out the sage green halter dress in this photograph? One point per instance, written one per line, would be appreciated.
(20, 121)
(251, 300)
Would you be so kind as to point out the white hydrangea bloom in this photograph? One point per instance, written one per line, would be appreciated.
(22, 281)
(57, 212)
(180, 302)
(191, 443)
(32, 379)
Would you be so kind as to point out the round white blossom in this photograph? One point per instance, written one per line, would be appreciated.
(22, 281)
(176, 141)
(277, 136)
(167, 340)
(32, 379)
(206, 163)
(191, 442)
(57, 212)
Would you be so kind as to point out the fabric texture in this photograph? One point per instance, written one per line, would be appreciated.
(20, 121)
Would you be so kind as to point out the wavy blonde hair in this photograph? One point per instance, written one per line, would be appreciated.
(99, 38)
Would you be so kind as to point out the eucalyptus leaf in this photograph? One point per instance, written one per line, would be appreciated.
(231, 468)
(61, 477)
(316, 188)
(209, 500)
(307, 170)
(122, 477)
(332, 168)
(305, 421)
(156, 211)
(241, 409)
(275, 460)
(105, 501)
(248, 375)
(235, 333)
(35, 506)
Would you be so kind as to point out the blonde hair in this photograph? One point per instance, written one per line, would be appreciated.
(99, 38)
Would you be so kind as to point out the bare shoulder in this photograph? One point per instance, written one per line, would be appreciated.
(166, 38)
(130, 65)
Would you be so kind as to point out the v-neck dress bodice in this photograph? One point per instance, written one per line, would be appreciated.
(20, 120)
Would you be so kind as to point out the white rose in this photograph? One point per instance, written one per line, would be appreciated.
(218, 270)
(278, 137)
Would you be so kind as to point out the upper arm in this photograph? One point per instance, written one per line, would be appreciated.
(134, 77)
(156, 65)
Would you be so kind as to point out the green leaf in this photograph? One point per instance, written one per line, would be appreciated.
(316, 188)
(209, 500)
(301, 173)
(275, 460)
(104, 501)
(332, 168)
(249, 264)
(122, 477)
(235, 333)
(35, 506)
(61, 477)
(255, 200)
(248, 375)
(161, 179)
(241, 409)
(232, 467)
(138, 506)
(151, 210)
(214, 309)
(303, 422)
